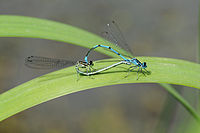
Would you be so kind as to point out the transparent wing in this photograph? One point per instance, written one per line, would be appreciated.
(38, 62)
(113, 34)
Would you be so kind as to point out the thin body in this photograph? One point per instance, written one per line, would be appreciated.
(135, 61)
(100, 70)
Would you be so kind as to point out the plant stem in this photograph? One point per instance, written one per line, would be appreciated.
(185, 104)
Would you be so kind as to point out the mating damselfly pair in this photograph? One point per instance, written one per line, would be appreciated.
(114, 36)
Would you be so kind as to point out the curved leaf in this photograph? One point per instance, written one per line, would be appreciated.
(21, 26)
(62, 82)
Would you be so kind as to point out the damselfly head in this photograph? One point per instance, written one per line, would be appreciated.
(144, 65)
(91, 63)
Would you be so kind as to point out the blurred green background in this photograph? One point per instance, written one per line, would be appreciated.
(151, 27)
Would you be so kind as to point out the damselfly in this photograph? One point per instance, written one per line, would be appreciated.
(113, 34)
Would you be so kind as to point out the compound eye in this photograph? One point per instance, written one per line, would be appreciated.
(91, 63)
(145, 64)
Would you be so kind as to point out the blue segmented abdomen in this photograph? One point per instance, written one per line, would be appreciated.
(108, 47)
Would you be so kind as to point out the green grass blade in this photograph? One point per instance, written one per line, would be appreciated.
(62, 82)
(20, 26)
(181, 100)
